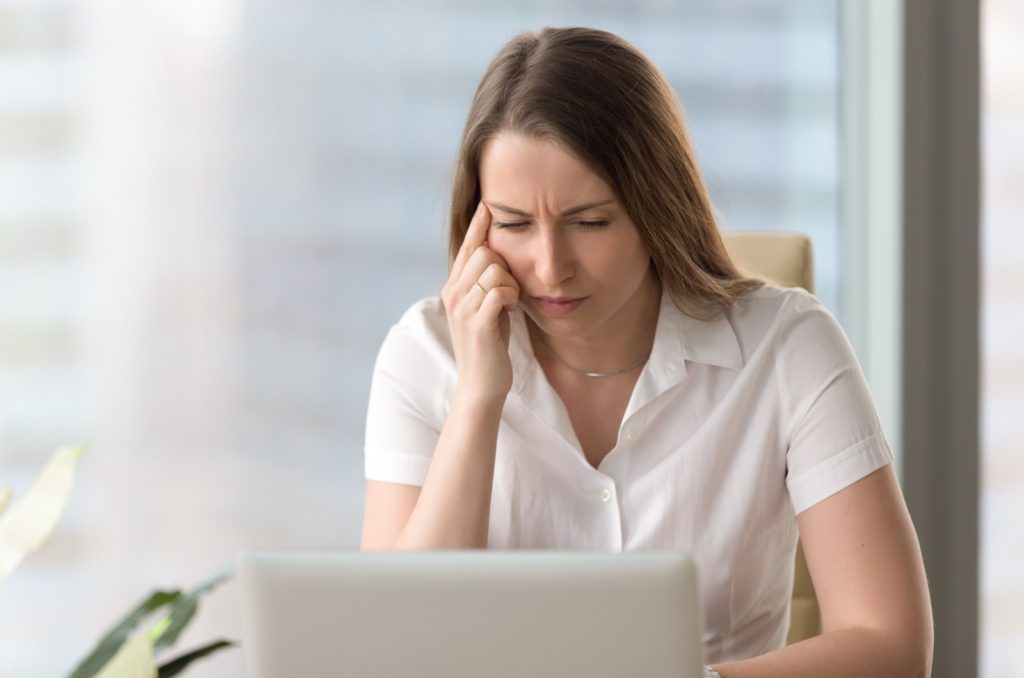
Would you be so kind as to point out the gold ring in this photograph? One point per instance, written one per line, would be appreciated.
(481, 288)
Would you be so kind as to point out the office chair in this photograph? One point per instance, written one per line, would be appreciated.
(784, 259)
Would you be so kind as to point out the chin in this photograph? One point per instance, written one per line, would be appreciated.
(559, 327)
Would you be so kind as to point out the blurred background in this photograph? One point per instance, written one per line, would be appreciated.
(212, 211)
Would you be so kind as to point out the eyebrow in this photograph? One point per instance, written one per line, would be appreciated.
(566, 213)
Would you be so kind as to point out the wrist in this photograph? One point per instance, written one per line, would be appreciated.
(478, 402)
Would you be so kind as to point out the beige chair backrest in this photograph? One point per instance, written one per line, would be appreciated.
(784, 259)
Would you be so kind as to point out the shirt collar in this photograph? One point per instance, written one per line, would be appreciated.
(711, 342)
(681, 338)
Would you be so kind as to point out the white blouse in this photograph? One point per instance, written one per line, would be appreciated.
(734, 426)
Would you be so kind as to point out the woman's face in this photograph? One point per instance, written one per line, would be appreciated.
(594, 254)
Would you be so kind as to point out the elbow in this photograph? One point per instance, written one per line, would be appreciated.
(926, 644)
(903, 644)
(918, 665)
(899, 654)
(922, 665)
(914, 649)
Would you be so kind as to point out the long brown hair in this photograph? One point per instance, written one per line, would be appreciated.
(606, 103)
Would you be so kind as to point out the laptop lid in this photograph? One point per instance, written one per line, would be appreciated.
(470, 614)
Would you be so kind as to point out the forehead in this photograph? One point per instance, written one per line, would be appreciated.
(523, 171)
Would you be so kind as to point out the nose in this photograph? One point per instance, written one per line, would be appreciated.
(553, 258)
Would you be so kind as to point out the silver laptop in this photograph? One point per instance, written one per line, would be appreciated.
(470, 614)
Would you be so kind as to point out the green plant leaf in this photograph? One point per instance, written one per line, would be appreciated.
(134, 659)
(26, 525)
(178, 664)
(116, 637)
(185, 608)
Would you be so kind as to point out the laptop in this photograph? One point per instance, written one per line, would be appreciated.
(470, 614)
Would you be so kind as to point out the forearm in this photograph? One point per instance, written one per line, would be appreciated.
(454, 506)
(854, 652)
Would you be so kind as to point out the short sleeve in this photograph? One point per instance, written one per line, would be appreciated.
(406, 407)
(835, 436)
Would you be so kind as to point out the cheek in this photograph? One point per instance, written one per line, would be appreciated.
(617, 259)
(634, 254)
(512, 255)
(621, 271)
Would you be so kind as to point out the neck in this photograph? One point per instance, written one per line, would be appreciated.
(618, 343)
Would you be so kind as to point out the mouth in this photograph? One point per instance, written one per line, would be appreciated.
(559, 300)
(558, 306)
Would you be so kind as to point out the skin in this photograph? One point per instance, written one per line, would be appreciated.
(562, 256)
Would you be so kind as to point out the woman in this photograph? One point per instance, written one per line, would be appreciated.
(596, 374)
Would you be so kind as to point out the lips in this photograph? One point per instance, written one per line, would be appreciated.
(558, 306)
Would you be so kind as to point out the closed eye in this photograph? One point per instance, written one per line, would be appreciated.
(585, 225)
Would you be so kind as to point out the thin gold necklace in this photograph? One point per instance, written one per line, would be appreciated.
(592, 374)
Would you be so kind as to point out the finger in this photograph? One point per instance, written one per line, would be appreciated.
(512, 302)
(476, 234)
(498, 299)
(478, 262)
(475, 296)
(501, 260)
(505, 276)
(472, 277)
(495, 275)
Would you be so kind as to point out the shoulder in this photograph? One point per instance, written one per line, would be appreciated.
(421, 338)
(771, 303)
(426, 321)
(777, 316)
(793, 332)
(413, 379)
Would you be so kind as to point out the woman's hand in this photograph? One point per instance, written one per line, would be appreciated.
(478, 319)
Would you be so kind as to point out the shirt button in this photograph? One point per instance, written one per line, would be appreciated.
(606, 494)
(629, 436)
